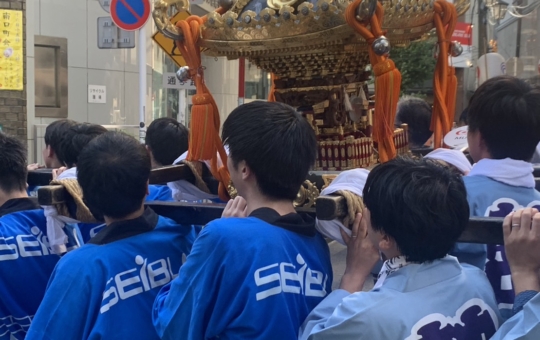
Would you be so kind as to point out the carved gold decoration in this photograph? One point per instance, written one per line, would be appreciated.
(232, 190)
(288, 27)
(161, 17)
(307, 195)
(295, 39)
(306, 65)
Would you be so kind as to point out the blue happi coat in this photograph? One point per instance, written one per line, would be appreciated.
(247, 278)
(26, 263)
(106, 288)
(159, 193)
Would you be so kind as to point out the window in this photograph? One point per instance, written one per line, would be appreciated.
(51, 88)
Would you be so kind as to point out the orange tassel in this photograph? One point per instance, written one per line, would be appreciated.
(387, 81)
(202, 122)
(272, 94)
(444, 80)
(204, 141)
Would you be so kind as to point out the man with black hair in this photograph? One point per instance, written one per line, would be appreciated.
(416, 113)
(414, 212)
(26, 262)
(504, 130)
(55, 134)
(60, 229)
(166, 140)
(74, 141)
(106, 288)
(255, 277)
(13, 196)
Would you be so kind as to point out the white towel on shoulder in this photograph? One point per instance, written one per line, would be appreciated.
(55, 223)
(350, 180)
(453, 157)
(183, 190)
(508, 171)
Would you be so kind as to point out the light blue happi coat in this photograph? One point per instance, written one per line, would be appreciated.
(525, 325)
(439, 300)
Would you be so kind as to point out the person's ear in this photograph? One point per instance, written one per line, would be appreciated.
(482, 143)
(386, 243)
(147, 188)
(49, 152)
(244, 169)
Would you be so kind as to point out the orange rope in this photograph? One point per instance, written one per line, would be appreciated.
(272, 92)
(387, 81)
(444, 81)
(204, 140)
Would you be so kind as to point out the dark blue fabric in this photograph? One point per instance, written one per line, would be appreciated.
(159, 193)
(107, 291)
(26, 263)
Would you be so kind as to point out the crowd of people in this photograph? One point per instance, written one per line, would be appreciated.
(263, 270)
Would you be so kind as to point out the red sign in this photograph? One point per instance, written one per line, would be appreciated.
(130, 15)
(463, 33)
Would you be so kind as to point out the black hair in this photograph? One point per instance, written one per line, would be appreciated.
(113, 172)
(74, 141)
(277, 144)
(13, 164)
(55, 134)
(506, 111)
(167, 139)
(420, 204)
(416, 113)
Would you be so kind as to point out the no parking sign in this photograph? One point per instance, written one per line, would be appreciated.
(130, 15)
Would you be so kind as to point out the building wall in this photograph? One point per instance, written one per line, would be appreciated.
(13, 103)
(518, 41)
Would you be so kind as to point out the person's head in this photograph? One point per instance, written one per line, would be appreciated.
(271, 150)
(504, 120)
(54, 135)
(416, 208)
(416, 113)
(12, 168)
(166, 140)
(76, 138)
(113, 171)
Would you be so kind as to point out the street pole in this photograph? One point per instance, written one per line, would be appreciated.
(141, 51)
(482, 29)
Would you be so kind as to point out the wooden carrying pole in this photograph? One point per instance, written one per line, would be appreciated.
(161, 175)
(479, 230)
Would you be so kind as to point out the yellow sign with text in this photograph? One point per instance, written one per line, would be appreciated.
(11, 50)
(168, 45)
